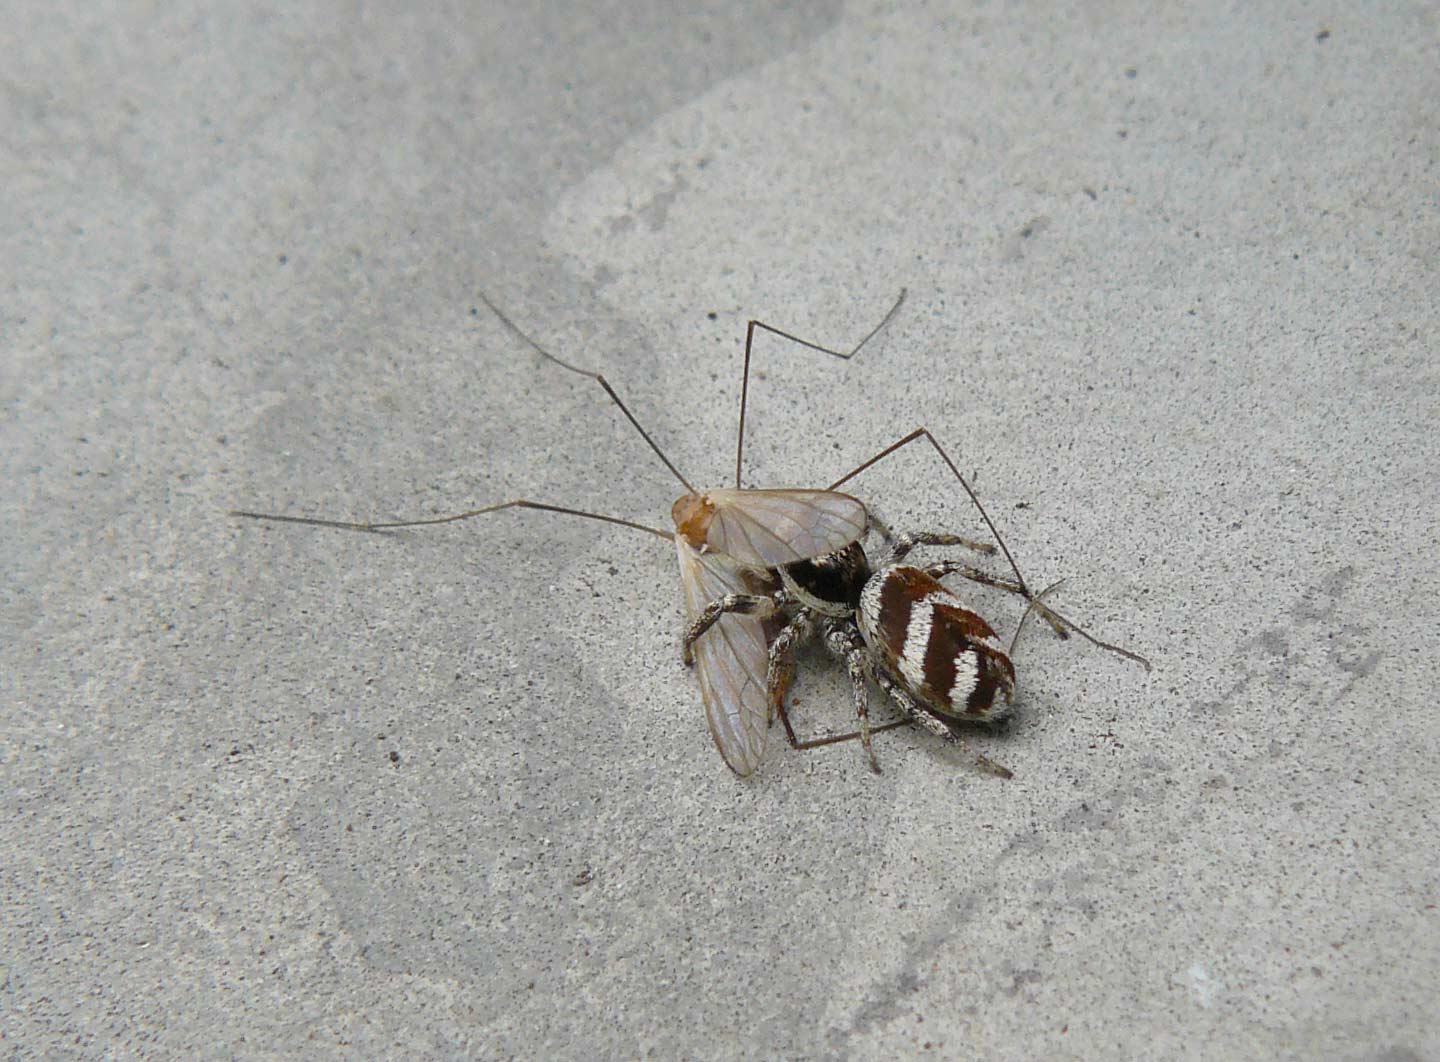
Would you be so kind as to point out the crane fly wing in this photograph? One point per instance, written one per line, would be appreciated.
(768, 528)
(731, 660)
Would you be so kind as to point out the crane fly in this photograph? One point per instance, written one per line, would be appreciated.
(728, 541)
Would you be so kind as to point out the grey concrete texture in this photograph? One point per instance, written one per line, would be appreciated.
(277, 791)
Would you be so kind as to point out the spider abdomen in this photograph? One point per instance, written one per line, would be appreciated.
(946, 656)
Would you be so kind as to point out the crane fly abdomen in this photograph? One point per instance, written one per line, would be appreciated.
(947, 656)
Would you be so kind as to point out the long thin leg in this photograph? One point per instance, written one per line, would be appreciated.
(919, 715)
(519, 503)
(745, 378)
(835, 739)
(1053, 616)
(744, 604)
(1020, 627)
(924, 433)
(533, 345)
(389, 525)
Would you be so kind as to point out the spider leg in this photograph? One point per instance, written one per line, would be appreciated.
(762, 605)
(940, 569)
(781, 671)
(844, 641)
(935, 725)
(903, 543)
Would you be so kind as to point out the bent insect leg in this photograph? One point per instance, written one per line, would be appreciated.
(745, 374)
(1050, 614)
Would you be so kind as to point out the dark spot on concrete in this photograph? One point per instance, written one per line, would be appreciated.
(1399, 1054)
(1272, 642)
(657, 211)
(1360, 668)
(1021, 979)
(1320, 604)
(1034, 227)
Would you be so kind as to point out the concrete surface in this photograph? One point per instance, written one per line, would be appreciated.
(274, 791)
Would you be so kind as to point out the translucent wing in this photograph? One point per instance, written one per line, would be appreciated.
(731, 659)
(768, 528)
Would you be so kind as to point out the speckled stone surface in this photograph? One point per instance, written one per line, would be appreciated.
(274, 791)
